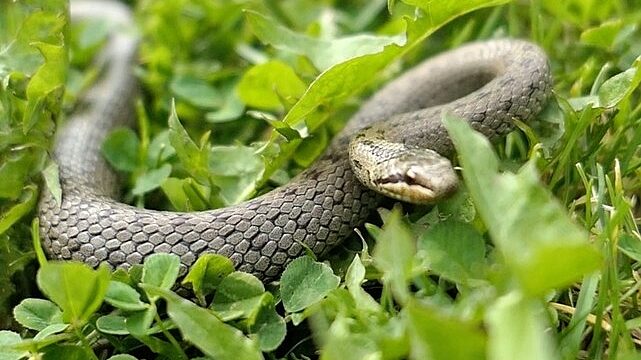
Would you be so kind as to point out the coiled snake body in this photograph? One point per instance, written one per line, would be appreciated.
(487, 83)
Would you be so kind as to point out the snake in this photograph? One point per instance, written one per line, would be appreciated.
(394, 145)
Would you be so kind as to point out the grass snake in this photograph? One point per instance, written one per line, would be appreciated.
(487, 83)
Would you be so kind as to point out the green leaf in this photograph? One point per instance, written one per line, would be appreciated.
(266, 85)
(151, 180)
(50, 330)
(207, 273)
(620, 86)
(139, 322)
(112, 324)
(516, 330)
(67, 352)
(8, 338)
(349, 77)
(454, 250)
(323, 53)
(236, 170)
(51, 176)
(45, 90)
(27, 202)
(602, 35)
(528, 226)
(269, 327)
(437, 335)
(194, 158)
(124, 297)
(76, 288)
(203, 329)
(37, 314)
(306, 282)
(122, 357)
(120, 148)
(354, 278)
(196, 92)
(239, 295)
(182, 194)
(631, 246)
(394, 254)
(161, 270)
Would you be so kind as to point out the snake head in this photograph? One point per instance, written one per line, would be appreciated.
(421, 177)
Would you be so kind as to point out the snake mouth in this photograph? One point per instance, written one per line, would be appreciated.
(418, 186)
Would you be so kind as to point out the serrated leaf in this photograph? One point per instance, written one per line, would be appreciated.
(37, 314)
(306, 282)
(8, 338)
(112, 324)
(264, 86)
(323, 53)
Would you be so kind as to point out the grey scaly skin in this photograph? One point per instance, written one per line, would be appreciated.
(486, 83)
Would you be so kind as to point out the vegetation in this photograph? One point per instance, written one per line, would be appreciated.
(537, 257)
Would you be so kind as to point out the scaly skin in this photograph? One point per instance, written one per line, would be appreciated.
(487, 83)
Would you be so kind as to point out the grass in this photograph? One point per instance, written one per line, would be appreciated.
(536, 257)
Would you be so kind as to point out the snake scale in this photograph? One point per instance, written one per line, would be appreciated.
(487, 83)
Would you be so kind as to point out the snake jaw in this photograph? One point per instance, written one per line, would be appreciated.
(421, 184)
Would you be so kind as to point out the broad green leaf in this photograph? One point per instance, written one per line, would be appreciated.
(602, 35)
(160, 149)
(394, 254)
(269, 327)
(620, 86)
(528, 226)
(76, 288)
(207, 273)
(306, 282)
(236, 170)
(323, 53)
(516, 330)
(437, 335)
(454, 250)
(203, 329)
(196, 92)
(121, 149)
(37, 314)
(240, 295)
(139, 322)
(124, 297)
(122, 357)
(161, 270)
(112, 324)
(345, 344)
(151, 180)
(67, 352)
(8, 338)
(266, 85)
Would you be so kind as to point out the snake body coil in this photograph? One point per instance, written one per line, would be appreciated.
(487, 83)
